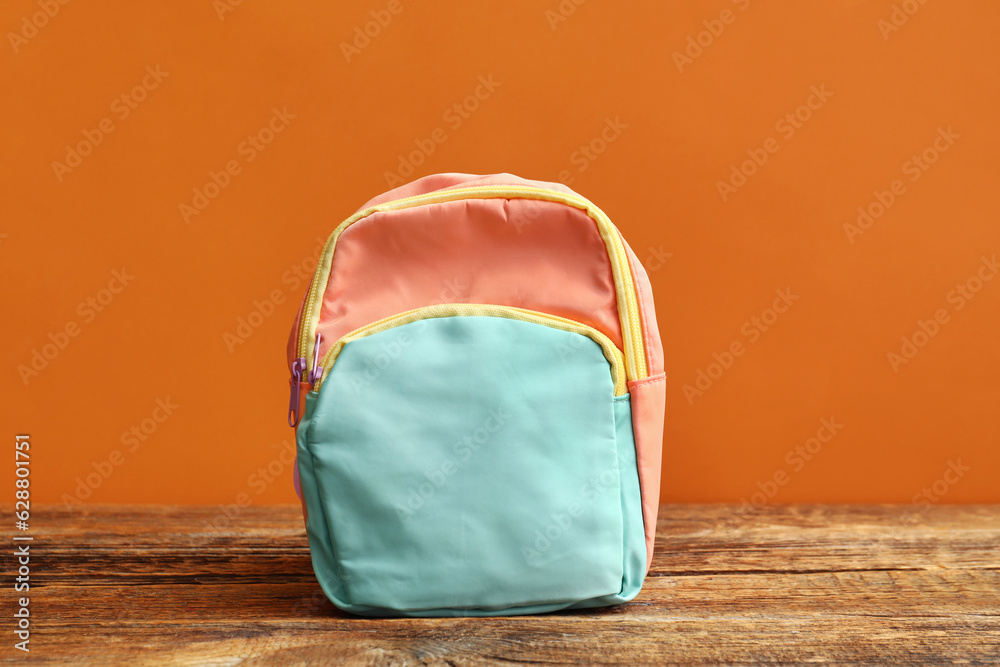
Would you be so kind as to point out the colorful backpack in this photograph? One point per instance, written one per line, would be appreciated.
(478, 391)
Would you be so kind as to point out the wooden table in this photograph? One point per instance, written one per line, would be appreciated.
(184, 585)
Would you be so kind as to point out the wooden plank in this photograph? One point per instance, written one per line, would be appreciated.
(843, 584)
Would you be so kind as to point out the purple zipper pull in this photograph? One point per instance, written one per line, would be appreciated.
(296, 385)
(317, 372)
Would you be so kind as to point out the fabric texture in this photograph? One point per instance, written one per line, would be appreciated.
(472, 465)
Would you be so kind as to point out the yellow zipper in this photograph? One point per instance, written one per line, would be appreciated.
(631, 324)
(611, 353)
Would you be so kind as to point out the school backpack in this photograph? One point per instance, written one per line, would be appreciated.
(478, 393)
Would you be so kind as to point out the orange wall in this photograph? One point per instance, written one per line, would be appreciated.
(881, 95)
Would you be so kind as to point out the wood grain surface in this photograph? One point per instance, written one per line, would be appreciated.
(152, 585)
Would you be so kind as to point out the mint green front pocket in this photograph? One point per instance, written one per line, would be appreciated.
(471, 465)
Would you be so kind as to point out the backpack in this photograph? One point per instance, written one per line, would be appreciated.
(477, 389)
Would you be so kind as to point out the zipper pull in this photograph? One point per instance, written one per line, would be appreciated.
(296, 385)
(317, 371)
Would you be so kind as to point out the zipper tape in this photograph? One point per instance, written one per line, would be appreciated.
(628, 307)
(611, 353)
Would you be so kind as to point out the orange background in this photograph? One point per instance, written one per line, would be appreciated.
(715, 263)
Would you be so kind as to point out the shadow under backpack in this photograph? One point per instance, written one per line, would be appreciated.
(478, 395)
